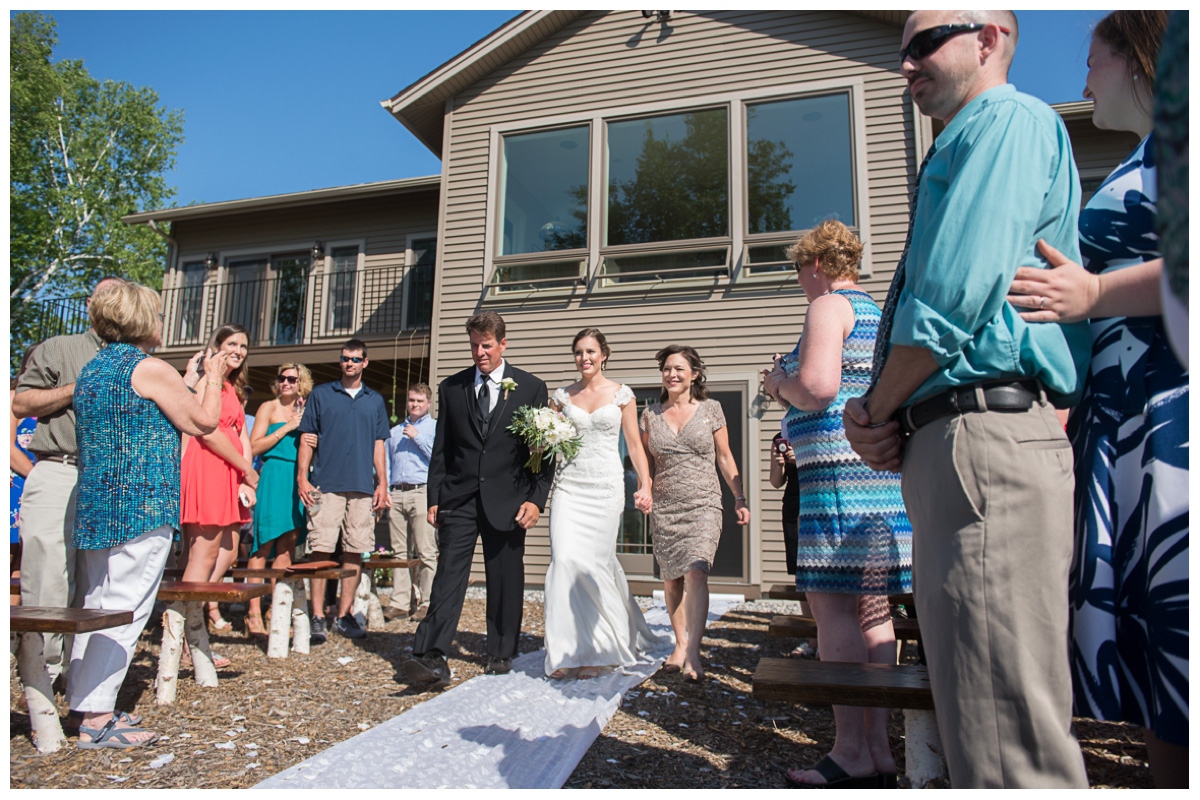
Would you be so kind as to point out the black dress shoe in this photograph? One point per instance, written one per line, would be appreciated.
(498, 666)
(429, 668)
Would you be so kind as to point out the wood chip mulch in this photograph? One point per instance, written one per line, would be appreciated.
(268, 715)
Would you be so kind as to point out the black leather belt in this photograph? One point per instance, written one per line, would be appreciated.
(997, 396)
(407, 487)
(62, 458)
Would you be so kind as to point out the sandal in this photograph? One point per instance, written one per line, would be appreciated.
(218, 625)
(835, 777)
(111, 736)
(74, 718)
(219, 661)
(254, 625)
(671, 669)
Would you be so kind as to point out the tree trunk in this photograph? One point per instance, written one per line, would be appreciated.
(923, 757)
(281, 618)
(39, 696)
(169, 654)
(300, 626)
(197, 638)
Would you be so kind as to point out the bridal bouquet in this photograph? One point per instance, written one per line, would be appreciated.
(545, 430)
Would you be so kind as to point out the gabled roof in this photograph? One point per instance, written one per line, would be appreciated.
(421, 107)
(289, 200)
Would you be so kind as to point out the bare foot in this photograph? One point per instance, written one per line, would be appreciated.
(693, 671)
(676, 661)
(558, 674)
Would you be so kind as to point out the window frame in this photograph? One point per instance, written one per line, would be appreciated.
(326, 271)
(738, 241)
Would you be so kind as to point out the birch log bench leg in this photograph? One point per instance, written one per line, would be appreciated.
(30, 622)
(366, 598)
(289, 601)
(184, 617)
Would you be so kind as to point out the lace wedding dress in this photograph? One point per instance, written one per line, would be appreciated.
(591, 618)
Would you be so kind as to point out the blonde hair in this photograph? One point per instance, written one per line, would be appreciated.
(835, 245)
(303, 386)
(125, 312)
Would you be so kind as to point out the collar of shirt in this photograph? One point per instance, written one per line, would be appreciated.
(363, 389)
(495, 377)
(970, 109)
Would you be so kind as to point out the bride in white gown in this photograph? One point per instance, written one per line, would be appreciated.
(592, 621)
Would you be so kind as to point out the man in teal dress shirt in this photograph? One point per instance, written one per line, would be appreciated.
(964, 403)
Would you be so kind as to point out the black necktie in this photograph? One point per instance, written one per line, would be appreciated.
(485, 410)
(883, 336)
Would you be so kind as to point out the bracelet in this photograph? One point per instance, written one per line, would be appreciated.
(740, 499)
(790, 364)
(213, 383)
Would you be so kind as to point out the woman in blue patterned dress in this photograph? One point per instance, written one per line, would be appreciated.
(129, 410)
(854, 538)
(20, 463)
(1129, 581)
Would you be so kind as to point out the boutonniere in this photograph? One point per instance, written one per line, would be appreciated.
(508, 384)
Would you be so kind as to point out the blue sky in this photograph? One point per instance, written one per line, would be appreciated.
(285, 101)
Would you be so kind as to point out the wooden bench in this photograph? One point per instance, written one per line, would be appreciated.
(184, 618)
(795, 680)
(784, 626)
(14, 586)
(289, 602)
(783, 591)
(31, 622)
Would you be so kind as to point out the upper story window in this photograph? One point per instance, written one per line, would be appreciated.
(544, 188)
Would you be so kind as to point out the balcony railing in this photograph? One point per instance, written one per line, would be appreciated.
(288, 309)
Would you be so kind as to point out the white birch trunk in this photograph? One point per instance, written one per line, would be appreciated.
(366, 602)
(169, 654)
(39, 696)
(300, 627)
(281, 618)
(197, 639)
(923, 756)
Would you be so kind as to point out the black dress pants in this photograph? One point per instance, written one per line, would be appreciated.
(504, 570)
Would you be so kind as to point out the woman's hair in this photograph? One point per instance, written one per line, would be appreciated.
(238, 376)
(126, 312)
(699, 390)
(303, 386)
(1135, 36)
(838, 248)
(24, 363)
(594, 333)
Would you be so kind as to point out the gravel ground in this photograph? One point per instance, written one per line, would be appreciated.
(270, 714)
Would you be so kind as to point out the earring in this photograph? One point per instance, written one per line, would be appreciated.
(1135, 77)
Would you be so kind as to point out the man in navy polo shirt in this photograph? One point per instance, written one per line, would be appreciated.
(348, 484)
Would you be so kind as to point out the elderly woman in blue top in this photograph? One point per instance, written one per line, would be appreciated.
(130, 409)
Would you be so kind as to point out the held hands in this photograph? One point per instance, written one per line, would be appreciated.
(1066, 292)
(643, 500)
(527, 515)
(879, 447)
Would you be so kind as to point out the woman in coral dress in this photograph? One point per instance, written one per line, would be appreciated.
(216, 472)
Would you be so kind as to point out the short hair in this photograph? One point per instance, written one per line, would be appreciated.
(102, 284)
(699, 390)
(126, 312)
(839, 250)
(594, 333)
(237, 377)
(356, 344)
(422, 388)
(1005, 19)
(488, 323)
(305, 383)
(1135, 36)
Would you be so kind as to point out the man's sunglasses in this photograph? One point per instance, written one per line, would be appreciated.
(287, 379)
(355, 359)
(927, 42)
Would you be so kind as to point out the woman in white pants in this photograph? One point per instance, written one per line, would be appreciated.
(129, 411)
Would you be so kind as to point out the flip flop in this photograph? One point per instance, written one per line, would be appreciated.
(670, 669)
(835, 777)
(110, 736)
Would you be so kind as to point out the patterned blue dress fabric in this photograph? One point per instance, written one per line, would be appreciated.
(1129, 579)
(854, 536)
(128, 455)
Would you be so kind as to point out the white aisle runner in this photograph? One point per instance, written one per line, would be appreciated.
(514, 731)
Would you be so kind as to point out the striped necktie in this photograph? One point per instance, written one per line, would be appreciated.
(884, 335)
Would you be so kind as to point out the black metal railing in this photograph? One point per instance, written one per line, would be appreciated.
(297, 308)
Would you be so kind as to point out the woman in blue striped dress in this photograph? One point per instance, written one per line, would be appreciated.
(854, 539)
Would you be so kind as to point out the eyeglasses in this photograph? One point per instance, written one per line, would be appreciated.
(355, 359)
(927, 42)
(287, 379)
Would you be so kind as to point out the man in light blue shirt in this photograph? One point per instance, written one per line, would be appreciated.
(962, 399)
(408, 449)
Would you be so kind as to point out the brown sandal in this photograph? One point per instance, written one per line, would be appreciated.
(254, 625)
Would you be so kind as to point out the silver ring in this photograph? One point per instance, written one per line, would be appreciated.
(1042, 304)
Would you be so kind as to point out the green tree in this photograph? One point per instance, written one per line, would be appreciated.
(82, 154)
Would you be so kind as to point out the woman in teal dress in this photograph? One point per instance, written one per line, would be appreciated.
(279, 516)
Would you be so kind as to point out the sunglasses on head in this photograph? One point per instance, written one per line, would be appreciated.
(355, 359)
(287, 379)
(927, 42)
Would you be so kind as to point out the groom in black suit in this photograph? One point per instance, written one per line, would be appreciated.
(479, 485)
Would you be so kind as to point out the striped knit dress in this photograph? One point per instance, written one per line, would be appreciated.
(854, 536)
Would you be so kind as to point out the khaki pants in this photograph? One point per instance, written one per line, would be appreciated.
(47, 557)
(412, 537)
(989, 496)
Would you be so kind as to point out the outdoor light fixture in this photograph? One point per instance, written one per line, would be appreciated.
(661, 16)
(211, 262)
(318, 251)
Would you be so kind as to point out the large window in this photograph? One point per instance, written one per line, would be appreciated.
(343, 270)
(190, 303)
(678, 194)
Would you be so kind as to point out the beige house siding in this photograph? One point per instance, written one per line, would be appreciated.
(615, 60)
